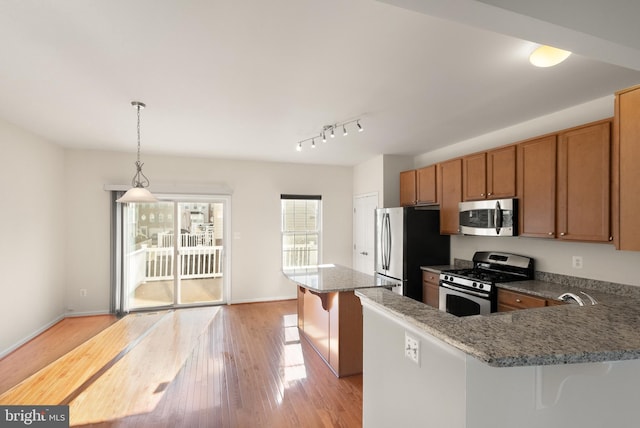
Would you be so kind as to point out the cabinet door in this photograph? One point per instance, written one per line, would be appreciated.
(584, 183)
(627, 151)
(537, 187)
(408, 188)
(474, 173)
(501, 173)
(426, 183)
(430, 289)
(450, 183)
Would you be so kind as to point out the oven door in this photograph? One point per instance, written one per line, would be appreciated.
(463, 303)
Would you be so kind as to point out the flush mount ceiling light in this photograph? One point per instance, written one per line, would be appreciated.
(139, 183)
(548, 56)
(331, 130)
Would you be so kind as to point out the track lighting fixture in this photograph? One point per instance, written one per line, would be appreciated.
(331, 129)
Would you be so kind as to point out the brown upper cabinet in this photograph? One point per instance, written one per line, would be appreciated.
(537, 187)
(426, 184)
(408, 195)
(564, 184)
(490, 175)
(418, 187)
(450, 191)
(584, 183)
(626, 177)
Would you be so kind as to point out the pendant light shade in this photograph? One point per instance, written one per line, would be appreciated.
(139, 183)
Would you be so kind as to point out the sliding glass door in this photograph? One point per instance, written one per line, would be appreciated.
(173, 252)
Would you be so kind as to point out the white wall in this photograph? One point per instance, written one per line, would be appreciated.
(368, 177)
(32, 250)
(381, 175)
(255, 219)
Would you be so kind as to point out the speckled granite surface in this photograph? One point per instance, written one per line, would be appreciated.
(330, 278)
(437, 269)
(562, 334)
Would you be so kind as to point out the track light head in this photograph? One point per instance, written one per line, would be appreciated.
(313, 143)
(324, 137)
(344, 131)
(332, 134)
(360, 128)
(299, 147)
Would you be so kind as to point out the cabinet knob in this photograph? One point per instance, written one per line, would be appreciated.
(562, 233)
(518, 301)
(550, 233)
(489, 194)
(611, 238)
(482, 194)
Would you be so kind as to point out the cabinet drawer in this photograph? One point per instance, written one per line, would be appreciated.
(518, 300)
(431, 277)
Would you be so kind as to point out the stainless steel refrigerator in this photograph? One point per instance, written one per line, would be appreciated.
(406, 239)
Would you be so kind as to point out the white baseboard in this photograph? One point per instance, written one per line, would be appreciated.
(270, 299)
(85, 314)
(21, 342)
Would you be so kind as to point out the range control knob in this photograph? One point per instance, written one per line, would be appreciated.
(481, 285)
(474, 285)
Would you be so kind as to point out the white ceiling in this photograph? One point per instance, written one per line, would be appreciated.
(250, 78)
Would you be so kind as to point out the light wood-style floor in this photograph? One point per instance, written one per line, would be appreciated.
(230, 366)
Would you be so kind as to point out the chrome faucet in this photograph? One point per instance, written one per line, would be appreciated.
(566, 297)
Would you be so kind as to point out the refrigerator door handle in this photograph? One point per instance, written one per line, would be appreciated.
(388, 241)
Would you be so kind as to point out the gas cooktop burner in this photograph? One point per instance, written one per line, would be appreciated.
(485, 276)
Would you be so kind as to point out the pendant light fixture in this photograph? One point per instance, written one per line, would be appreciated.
(139, 183)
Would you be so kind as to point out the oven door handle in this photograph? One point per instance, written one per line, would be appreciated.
(464, 291)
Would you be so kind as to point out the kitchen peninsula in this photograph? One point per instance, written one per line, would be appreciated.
(330, 315)
(556, 366)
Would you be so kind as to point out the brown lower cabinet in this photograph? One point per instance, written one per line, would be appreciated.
(332, 323)
(509, 300)
(431, 288)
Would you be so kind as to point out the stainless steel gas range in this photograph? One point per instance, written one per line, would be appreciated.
(465, 292)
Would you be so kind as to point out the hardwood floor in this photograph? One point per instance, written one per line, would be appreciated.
(244, 366)
(49, 346)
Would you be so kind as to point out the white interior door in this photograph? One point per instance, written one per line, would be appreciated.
(364, 211)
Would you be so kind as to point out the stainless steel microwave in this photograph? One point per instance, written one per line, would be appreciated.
(498, 217)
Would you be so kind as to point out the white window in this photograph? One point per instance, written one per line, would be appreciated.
(301, 230)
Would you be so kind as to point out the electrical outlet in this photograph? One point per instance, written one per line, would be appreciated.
(83, 292)
(412, 348)
(577, 262)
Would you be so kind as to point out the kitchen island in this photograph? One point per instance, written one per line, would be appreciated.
(556, 366)
(330, 315)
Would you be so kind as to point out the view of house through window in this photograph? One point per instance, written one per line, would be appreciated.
(173, 253)
(301, 230)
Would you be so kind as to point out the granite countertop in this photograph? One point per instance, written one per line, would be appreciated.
(437, 269)
(560, 334)
(331, 278)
